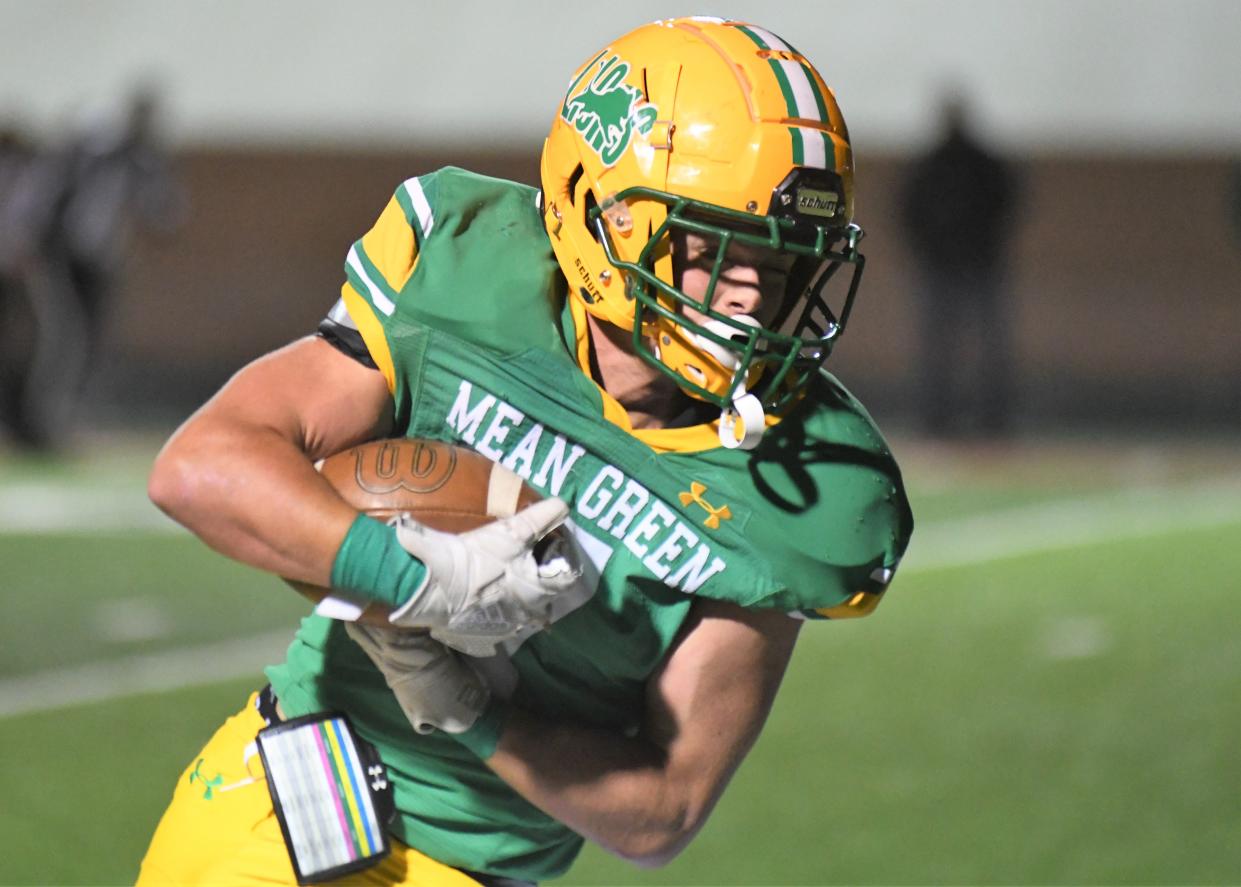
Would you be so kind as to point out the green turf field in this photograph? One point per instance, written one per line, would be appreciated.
(1051, 694)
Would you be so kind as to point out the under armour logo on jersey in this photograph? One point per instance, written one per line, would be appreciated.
(378, 782)
(714, 515)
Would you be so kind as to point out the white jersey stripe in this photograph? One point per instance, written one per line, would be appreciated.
(803, 90)
(422, 207)
(771, 39)
(378, 299)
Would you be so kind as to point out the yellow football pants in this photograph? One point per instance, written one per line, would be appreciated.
(220, 827)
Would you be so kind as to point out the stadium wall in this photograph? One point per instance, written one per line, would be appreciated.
(1126, 281)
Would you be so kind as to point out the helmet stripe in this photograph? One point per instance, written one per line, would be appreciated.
(799, 153)
(797, 82)
(790, 97)
(817, 93)
(764, 38)
(807, 103)
(767, 40)
(813, 147)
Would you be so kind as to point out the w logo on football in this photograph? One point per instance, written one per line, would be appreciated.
(414, 465)
(714, 514)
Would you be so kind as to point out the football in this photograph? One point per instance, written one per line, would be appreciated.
(448, 488)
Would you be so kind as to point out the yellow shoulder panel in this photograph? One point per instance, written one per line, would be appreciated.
(862, 603)
(372, 333)
(391, 246)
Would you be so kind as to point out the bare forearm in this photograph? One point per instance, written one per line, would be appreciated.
(644, 798)
(240, 474)
(622, 793)
(253, 495)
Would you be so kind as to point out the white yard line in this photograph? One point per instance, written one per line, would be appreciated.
(78, 508)
(146, 673)
(1068, 523)
(954, 543)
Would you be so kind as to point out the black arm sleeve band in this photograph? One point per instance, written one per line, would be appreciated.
(347, 340)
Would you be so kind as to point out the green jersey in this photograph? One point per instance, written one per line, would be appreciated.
(462, 306)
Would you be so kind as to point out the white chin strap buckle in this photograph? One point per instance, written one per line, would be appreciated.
(747, 409)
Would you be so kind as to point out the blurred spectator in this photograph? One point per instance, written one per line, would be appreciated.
(958, 209)
(1235, 197)
(17, 328)
(72, 211)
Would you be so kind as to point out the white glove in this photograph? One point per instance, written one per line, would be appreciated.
(436, 688)
(485, 586)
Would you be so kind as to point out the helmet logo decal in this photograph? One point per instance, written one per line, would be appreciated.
(607, 111)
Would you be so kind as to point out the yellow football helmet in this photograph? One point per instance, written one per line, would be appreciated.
(722, 129)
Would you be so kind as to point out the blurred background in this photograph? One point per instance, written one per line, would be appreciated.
(1049, 330)
(272, 132)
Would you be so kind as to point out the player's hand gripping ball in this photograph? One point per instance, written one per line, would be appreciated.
(443, 487)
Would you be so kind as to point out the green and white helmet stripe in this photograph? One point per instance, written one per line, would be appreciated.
(812, 147)
(804, 100)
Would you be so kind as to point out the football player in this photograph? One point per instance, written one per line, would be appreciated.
(641, 340)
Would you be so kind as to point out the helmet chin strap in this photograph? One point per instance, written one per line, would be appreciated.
(745, 407)
(749, 409)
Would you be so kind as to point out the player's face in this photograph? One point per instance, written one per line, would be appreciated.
(753, 279)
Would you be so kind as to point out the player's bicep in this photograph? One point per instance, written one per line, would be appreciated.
(310, 393)
(707, 704)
